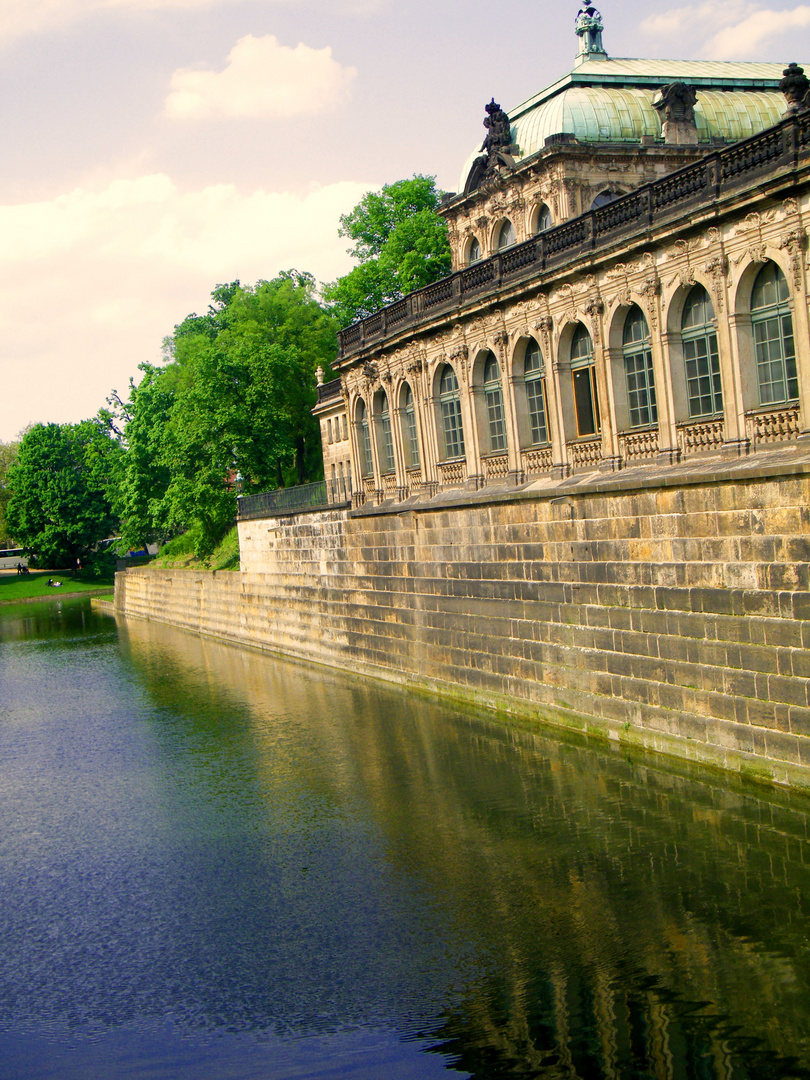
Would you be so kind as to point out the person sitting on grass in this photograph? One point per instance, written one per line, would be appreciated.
(54, 584)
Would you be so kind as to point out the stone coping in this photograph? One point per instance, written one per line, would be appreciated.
(715, 470)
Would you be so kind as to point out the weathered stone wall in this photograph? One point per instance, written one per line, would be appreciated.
(675, 615)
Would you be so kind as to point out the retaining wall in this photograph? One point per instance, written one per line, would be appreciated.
(670, 613)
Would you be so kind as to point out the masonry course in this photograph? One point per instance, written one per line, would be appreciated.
(675, 618)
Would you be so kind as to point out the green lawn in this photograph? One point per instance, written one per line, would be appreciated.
(34, 585)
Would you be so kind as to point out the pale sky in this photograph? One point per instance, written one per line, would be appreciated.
(155, 148)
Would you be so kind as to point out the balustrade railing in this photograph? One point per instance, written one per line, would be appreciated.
(638, 445)
(303, 499)
(701, 438)
(452, 472)
(584, 454)
(537, 461)
(773, 426)
(778, 146)
(496, 467)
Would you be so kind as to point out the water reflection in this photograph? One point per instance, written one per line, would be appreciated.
(250, 849)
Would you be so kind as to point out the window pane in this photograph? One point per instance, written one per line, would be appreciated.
(451, 414)
(536, 400)
(387, 455)
(641, 402)
(585, 403)
(411, 437)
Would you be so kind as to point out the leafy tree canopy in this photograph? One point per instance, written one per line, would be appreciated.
(236, 395)
(400, 243)
(8, 456)
(60, 507)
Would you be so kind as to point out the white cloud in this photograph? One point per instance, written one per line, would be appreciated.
(92, 281)
(728, 30)
(262, 79)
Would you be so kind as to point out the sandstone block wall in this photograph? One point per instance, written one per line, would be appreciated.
(674, 617)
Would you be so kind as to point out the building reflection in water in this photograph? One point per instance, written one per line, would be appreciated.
(627, 919)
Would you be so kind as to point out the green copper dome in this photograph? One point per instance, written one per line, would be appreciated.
(607, 100)
(626, 114)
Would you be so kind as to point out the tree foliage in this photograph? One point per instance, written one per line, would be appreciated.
(400, 243)
(236, 395)
(8, 456)
(60, 492)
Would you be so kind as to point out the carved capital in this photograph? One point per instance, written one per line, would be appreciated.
(595, 307)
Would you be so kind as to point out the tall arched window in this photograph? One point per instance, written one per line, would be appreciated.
(772, 325)
(543, 219)
(534, 376)
(475, 251)
(451, 414)
(583, 372)
(386, 441)
(638, 370)
(506, 236)
(700, 356)
(493, 398)
(364, 440)
(409, 434)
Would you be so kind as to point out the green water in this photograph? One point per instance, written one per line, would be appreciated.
(215, 864)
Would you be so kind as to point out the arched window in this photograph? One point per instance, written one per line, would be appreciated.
(583, 372)
(364, 440)
(543, 219)
(506, 236)
(475, 251)
(386, 441)
(700, 356)
(772, 325)
(638, 370)
(494, 403)
(605, 197)
(534, 376)
(409, 434)
(451, 414)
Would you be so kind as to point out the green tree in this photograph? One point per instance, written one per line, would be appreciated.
(236, 395)
(400, 243)
(60, 507)
(8, 456)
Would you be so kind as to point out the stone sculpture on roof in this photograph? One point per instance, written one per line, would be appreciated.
(675, 104)
(589, 27)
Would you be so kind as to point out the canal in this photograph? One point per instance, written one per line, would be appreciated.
(219, 865)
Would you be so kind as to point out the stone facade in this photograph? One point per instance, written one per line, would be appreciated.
(331, 414)
(707, 231)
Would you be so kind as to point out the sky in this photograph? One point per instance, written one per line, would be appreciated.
(156, 148)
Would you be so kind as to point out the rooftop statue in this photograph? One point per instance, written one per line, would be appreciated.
(675, 104)
(796, 87)
(589, 27)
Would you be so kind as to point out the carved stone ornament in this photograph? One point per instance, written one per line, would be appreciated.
(545, 325)
(675, 104)
(501, 338)
(415, 366)
(589, 27)
(595, 307)
(370, 371)
(794, 243)
(498, 143)
(790, 207)
(795, 86)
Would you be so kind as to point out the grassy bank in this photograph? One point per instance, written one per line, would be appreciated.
(178, 554)
(34, 586)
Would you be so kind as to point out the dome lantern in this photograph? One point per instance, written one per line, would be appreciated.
(589, 28)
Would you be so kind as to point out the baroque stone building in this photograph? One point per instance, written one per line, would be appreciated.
(629, 287)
